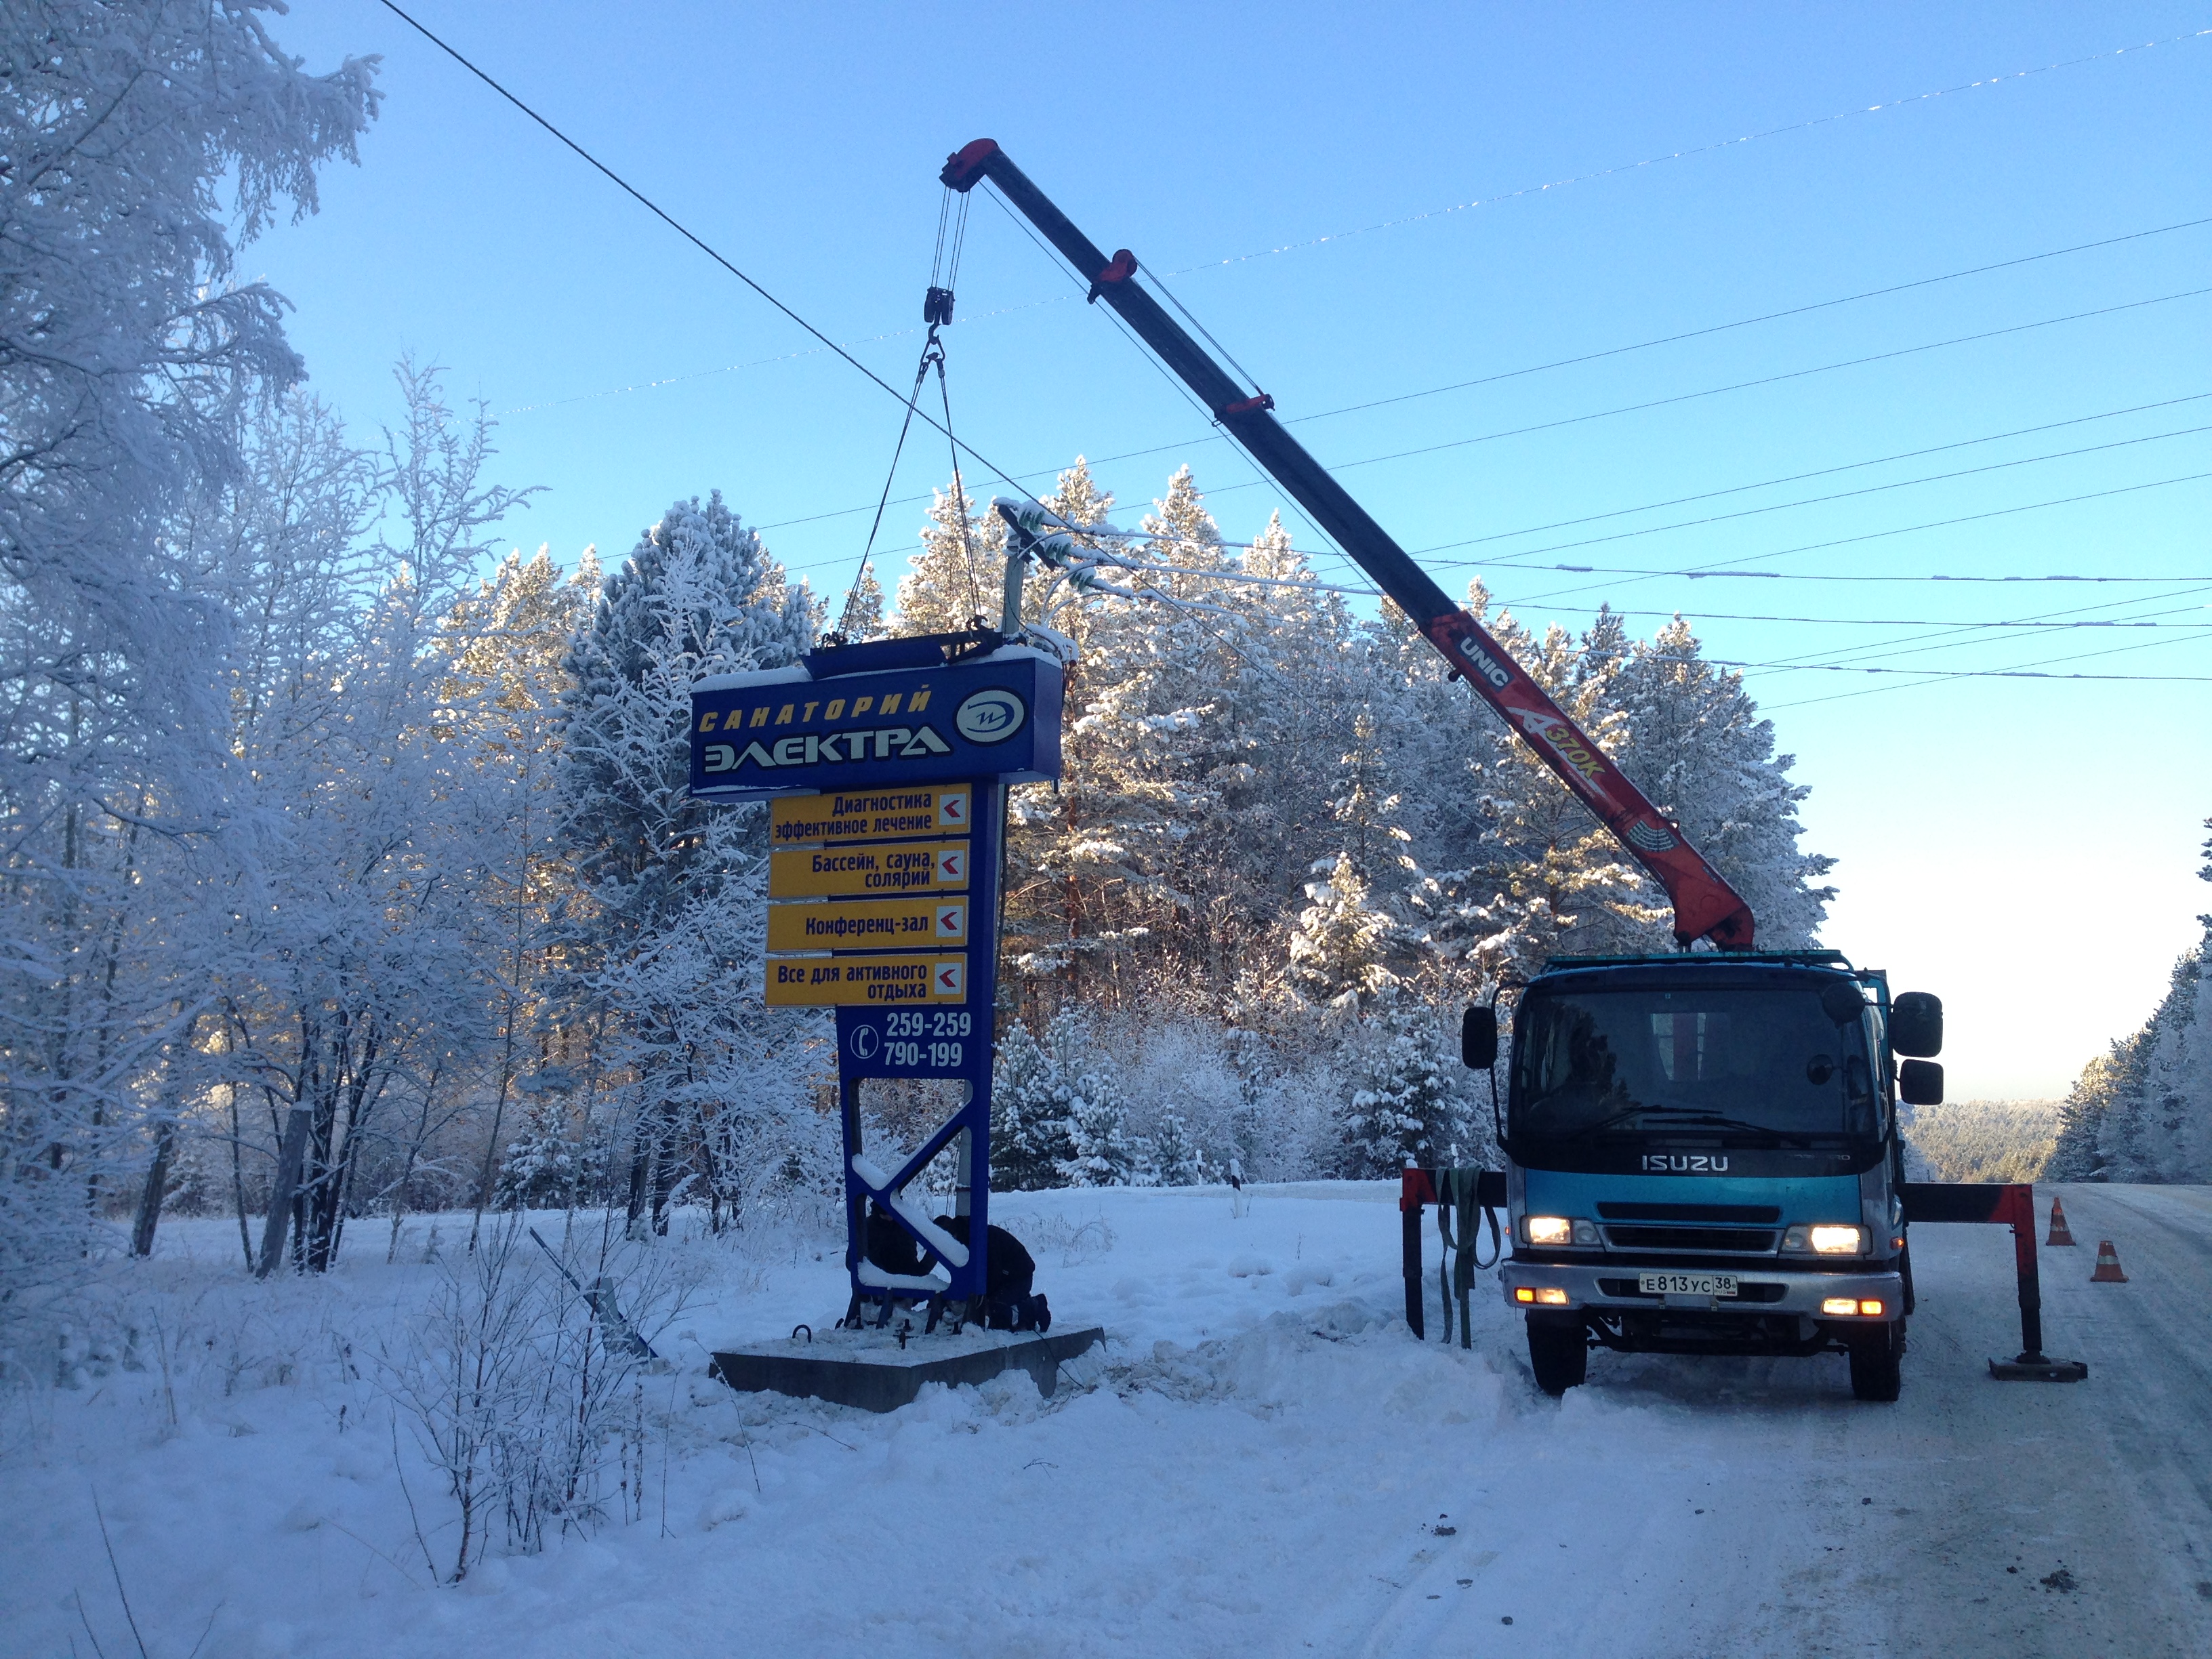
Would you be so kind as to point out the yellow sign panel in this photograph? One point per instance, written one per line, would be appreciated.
(869, 980)
(907, 866)
(931, 924)
(865, 814)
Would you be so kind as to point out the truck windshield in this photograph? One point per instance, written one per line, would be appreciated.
(1766, 1061)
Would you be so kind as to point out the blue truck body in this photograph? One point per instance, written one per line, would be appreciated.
(1703, 1156)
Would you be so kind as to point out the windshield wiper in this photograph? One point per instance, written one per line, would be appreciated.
(1716, 1120)
(1687, 1114)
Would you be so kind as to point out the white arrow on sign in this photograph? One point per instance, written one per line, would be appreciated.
(952, 810)
(952, 865)
(948, 920)
(949, 977)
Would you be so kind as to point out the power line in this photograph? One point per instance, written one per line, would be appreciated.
(1710, 575)
(2024, 670)
(1870, 621)
(1818, 472)
(1627, 409)
(1349, 409)
(1765, 379)
(657, 212)
(1512, 560)
(1683, 154)
(1880, 535)
(1925, 677)
(1948, 637)
(1980, 673)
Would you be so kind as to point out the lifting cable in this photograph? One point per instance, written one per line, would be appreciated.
(936, 303)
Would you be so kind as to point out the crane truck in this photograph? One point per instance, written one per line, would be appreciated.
(1703, 1149)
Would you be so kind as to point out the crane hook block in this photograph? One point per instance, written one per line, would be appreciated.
(1122, 267)
(936, 307)
(965, 165)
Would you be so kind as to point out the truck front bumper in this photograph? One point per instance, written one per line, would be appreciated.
(1800, 1293)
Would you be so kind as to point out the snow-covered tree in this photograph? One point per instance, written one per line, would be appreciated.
(960, 572)
(1696, 745)
(143, 142)
(671, 886)
(1408, 1107)
(1030, 1132)
(2143, 1111)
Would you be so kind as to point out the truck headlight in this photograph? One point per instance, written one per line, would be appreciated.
(1557, 1230)
(1826, 1240)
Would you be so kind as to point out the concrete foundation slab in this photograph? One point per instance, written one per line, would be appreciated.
(869, 1370)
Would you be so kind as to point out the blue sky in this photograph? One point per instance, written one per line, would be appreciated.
(2011, 844)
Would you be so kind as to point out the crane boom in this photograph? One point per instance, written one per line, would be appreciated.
(1705, 904)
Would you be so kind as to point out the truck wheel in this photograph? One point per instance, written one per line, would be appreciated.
(1876, 1370)
(1559, 1355)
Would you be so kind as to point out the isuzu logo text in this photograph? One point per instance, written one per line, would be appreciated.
(1685, 1163)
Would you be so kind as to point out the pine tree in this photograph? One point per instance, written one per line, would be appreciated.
(1177, 1159)
(1030, 1137)
(698, 595)
(1104, 1151)
(1339, 948)
(1408, 1108)
(960, 572)
(2143, 1112)
(1696, 745)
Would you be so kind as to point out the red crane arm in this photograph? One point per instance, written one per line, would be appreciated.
(1706, 906)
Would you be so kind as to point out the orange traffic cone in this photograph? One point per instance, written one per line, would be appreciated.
(2059, 1233)
(2108, 1266)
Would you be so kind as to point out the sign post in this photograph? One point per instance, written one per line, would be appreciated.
(886, 768)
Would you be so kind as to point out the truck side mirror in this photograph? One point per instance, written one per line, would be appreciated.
(1916, 1026)
(1478, 1038)
(1843, 1002)
(1920, 1083)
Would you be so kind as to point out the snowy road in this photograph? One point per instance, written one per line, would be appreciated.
(1272, 1465)
(1973, 1517)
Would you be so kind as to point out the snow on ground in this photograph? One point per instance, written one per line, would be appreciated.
(1269, 1464)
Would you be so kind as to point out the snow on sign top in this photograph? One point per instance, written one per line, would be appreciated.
(782, 732)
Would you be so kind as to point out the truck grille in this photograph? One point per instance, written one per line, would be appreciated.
(1728, 1240)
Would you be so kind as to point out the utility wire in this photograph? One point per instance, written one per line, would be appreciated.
(1701, 150)
(1764, 379)
(2024, 670)
(654, 209)
(1880, 535)
(1860, 622)
(1512, 560)
(1818, 472)
(1430, 392)
(1950, 637)
(1566, 420)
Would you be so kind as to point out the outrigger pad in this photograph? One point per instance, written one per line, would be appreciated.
(2034, 1368)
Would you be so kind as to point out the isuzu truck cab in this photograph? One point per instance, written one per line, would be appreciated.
(1703, 1157)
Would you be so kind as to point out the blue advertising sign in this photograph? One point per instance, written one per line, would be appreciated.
(782, 730)
(903, 755)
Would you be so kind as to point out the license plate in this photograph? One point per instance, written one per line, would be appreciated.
(1686, 1284)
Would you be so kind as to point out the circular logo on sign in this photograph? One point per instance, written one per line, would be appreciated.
(864, 1043)
(990, 716)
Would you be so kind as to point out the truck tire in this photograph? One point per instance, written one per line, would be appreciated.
(1877, 1362)
(1560, 1356)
